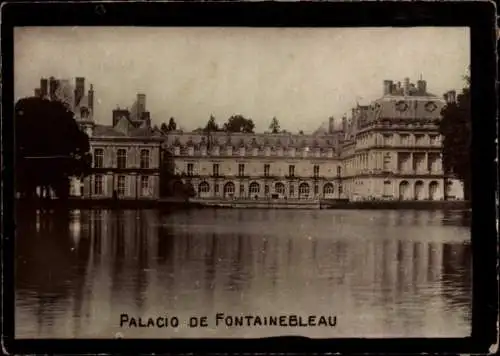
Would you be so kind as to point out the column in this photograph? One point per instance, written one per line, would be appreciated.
(411, 162)
(426, 163)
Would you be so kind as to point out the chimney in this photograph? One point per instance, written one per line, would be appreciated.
(450, 97)
(141, 105)
(53, 84)
(91, 98)
(146, 117)
(44, 90)
(344, 124)
(331, 126)
(38, 93)
(79, 90)
(422, 87)
(387, 87)
(406, 86)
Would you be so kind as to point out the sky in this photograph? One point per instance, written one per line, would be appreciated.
(301, 76)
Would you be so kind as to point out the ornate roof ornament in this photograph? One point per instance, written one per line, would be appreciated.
(401, 106)
(430, 106)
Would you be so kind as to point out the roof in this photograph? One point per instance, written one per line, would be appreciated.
(421, 107)
(107, 131)
(110, 131)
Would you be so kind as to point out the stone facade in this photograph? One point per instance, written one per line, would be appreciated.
(125, 155)
(257, 166)
(388, 150)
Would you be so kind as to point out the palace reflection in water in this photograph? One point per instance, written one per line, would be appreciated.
(383, 273)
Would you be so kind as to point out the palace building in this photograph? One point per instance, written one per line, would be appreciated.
(387, 150)
(125, 154)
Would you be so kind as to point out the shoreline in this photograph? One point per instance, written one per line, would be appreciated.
(182, 204)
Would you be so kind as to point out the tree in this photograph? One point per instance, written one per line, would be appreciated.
(238, 123)
(301, 132)
(211, 125)
(50, 147)
(455, 127)
(172, 126)
(274, 126)
(164, 128)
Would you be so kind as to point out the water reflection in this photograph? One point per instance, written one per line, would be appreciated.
(383, 273)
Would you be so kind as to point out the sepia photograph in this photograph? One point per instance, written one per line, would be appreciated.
(233, 182)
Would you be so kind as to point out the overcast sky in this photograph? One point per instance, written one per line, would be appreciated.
(301, 76)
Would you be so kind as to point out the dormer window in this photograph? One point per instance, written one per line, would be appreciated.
(84, 113)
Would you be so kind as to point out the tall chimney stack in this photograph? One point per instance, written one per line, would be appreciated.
(44, 90)
(422, 87)
(331, 126)
(344, 124)
(79, 90)
(53, 84)
(450, 96)
(38, 93)
(91, 98)
(141, 105)
(387, 87)
(406, 86)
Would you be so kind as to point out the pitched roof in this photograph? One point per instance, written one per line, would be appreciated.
(107, 131)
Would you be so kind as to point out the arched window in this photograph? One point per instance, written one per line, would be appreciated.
(387, 188)
(433, 190)
(279, 188)
(303, 190)
(404, 190)
(229, 188)
(204, 187)
(328, 189)
(144, 158)
(254, 188)
(419, 190)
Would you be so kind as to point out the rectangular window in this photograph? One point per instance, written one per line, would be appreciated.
(242, 189)
(216, 169)
(121, 185)
(241, 170)
(144, 185)
(190, 167)
(433, 139)
(121, 158)
(405, 139)
(291, 171)
(316, 171)
(98, 158)
(266, 170)
(98, 185)
(266, 189)
(291, 190)
(216, 188)
(339, 171)
(144, 158)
